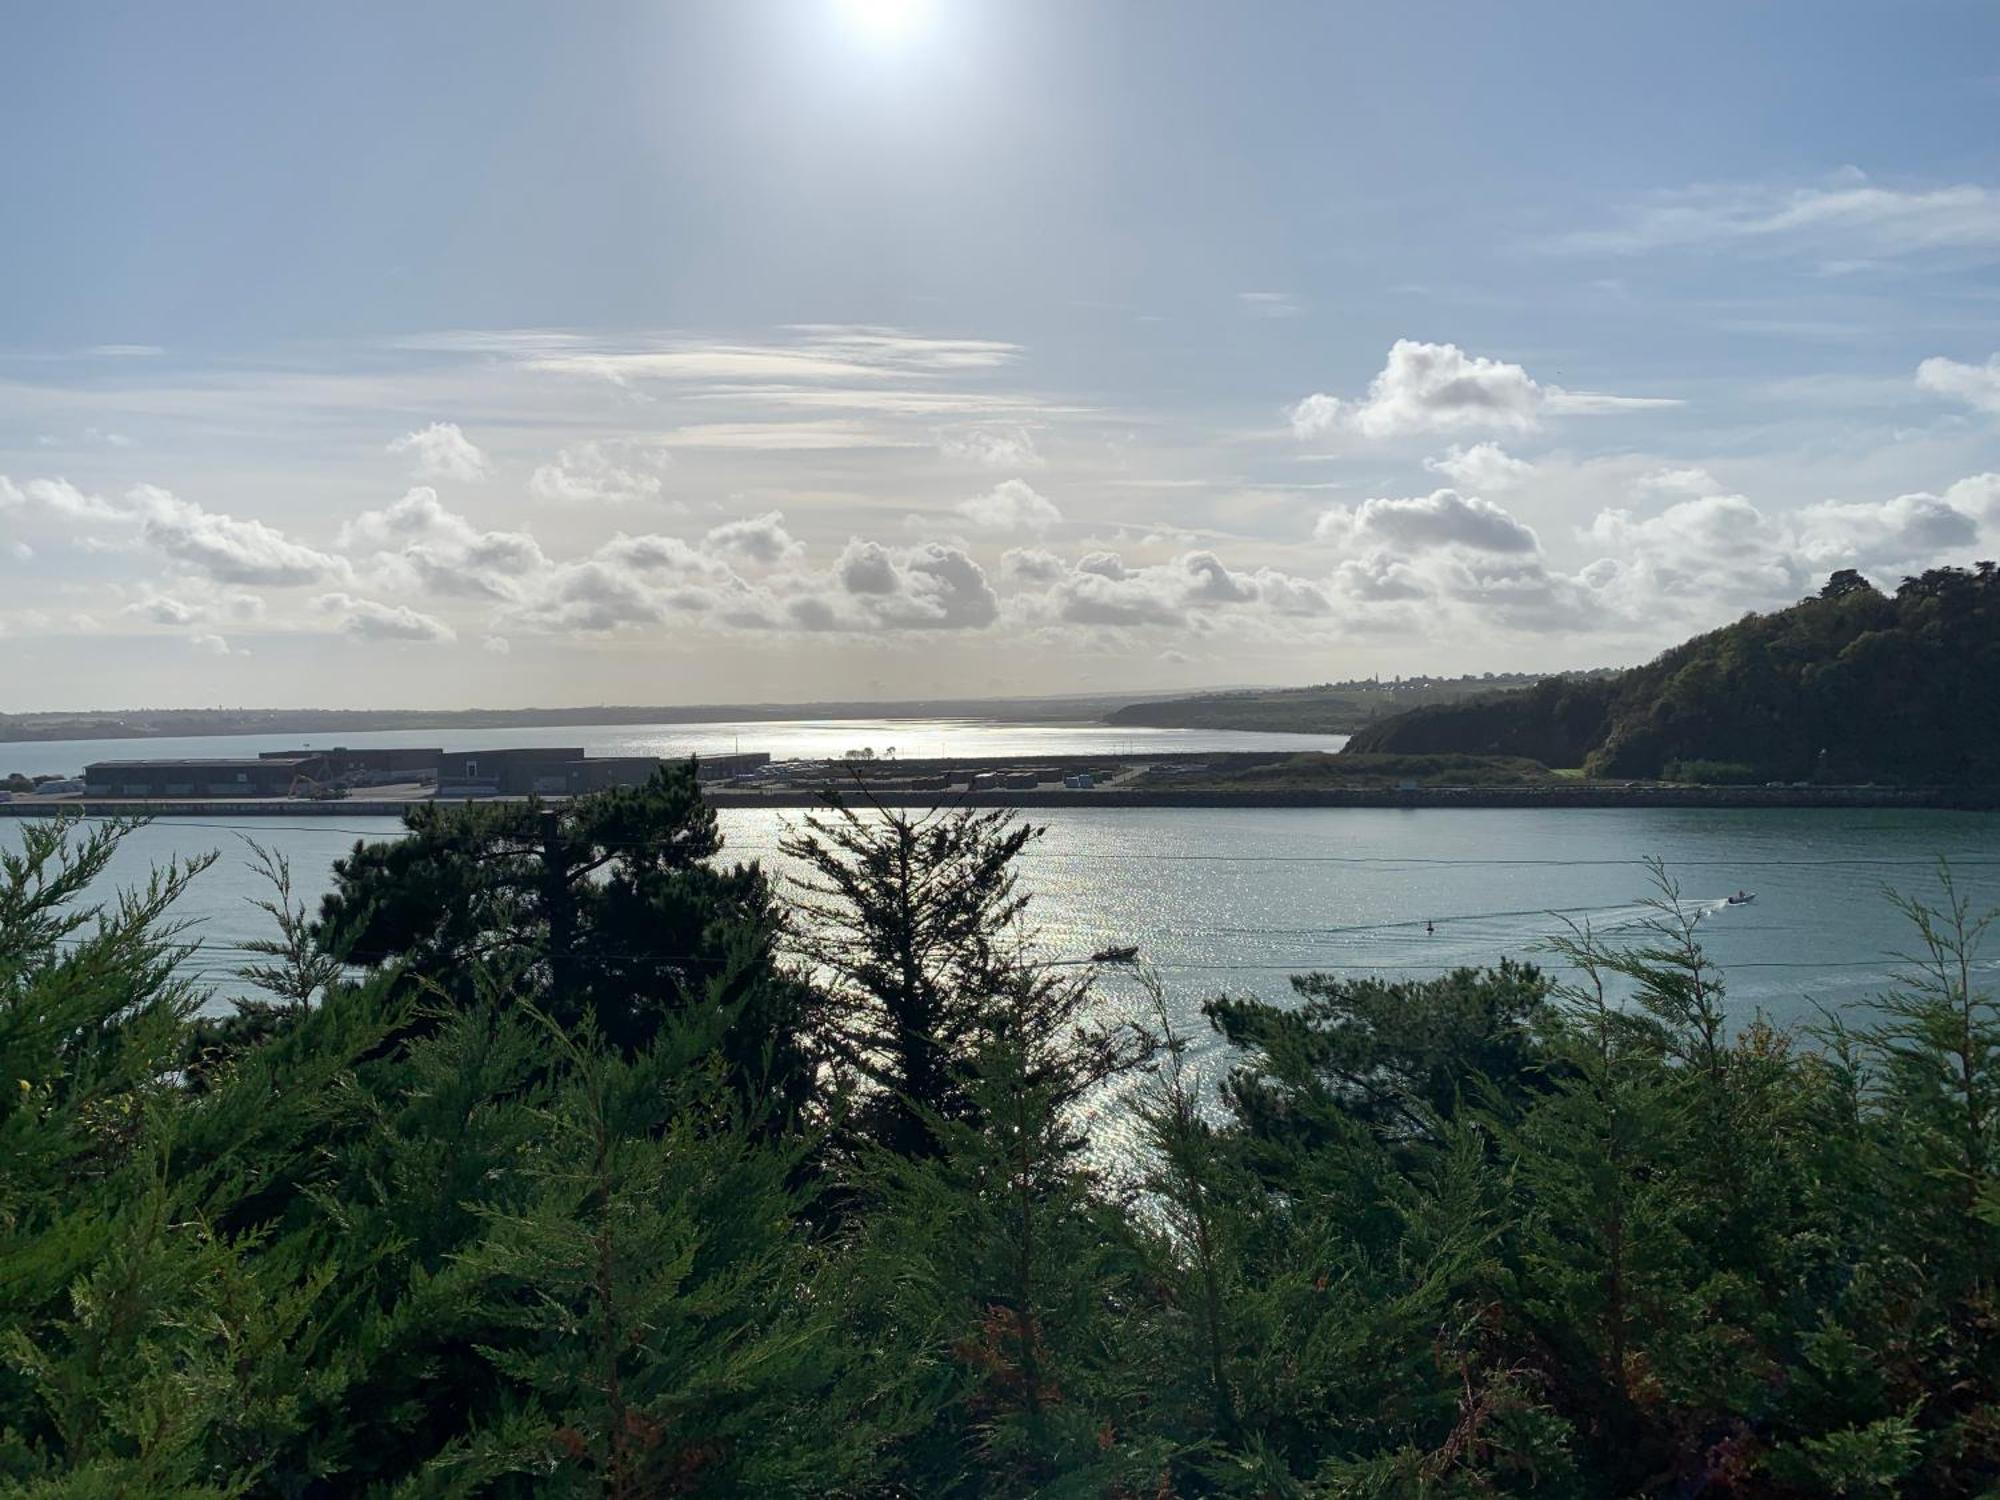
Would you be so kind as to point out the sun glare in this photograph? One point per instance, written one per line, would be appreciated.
(883, 21)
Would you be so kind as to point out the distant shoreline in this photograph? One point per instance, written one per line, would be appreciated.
(1954, 799)
(144, 724)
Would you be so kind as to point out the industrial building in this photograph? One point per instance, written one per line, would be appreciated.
(370, 765)
(519, 772)
(261, 776)
(728, 767)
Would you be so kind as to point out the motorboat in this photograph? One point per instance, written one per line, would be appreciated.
(1741, 898)
(1125, 955)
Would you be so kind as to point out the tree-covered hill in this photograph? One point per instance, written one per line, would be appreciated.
(1324, 708)
(1852, 685)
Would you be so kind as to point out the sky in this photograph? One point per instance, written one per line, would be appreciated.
(796, 350)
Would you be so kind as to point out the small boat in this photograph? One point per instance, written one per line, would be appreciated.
(1126, 955)
(1741, 898)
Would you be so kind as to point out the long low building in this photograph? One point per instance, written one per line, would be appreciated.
(257, 776)
(518, 771)
(370, 763)
(513, 771)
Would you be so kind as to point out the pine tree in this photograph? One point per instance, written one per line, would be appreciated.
(914, 930)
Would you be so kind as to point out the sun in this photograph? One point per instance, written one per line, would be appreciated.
(883, 20)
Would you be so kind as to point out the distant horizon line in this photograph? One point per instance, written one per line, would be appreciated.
(1109, 695)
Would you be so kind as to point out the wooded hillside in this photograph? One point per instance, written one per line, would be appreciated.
(1852, 685)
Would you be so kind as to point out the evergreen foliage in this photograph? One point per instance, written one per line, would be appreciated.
(443, 1224)
(1850, 685)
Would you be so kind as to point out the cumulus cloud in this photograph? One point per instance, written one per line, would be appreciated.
(1686, 480)
(372, 620)
(496, 645)
(213, 645)
(57, 498)
(1976, 386)
(1440, 388)
(1210, 582)
(1102, 589)
(440, 550)
(758, 539)
(593, 597)
(1443, 518)
(1702, 556)
(588, 474)
(1011, 505)
(1379, 578)
(441, 451)
(1031, 565)
(1906, 531)
(225, 548)
(1483, 466)
(932, 586)
(1002, 447)
(163, 609)
(865, 568)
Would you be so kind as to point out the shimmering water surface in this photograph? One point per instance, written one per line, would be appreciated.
(1240, 899)
(789, 739)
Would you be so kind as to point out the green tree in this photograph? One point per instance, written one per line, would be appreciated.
(614, 906)
(913, 928)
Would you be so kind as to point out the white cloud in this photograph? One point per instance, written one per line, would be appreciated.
(821, 352)
(1443, 518)
(417, 516)
(786, 437)
(163, 609)
(442, 451)
(591, 597)
(1102, 589)
(1849, 218)
(372, 620)
(1687, 480)
(1440, 388)
(1031, 565)
(58, 498)
(441, 551)
(213, 645)
(497, 645)
(758, 539)
(1483, 466)
(225, 548)
(1904, 532)
(587, 474)
(933, 586)
(993, 447)
(1011, 505)
(1976, 386)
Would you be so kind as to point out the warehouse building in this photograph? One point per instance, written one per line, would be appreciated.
(728, 767)
(370, 764)
(261, 776)
(519, 772)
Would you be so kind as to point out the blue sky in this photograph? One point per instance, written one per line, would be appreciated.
(675, 352)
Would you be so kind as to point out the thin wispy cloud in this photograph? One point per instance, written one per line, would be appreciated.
(1848, 219)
